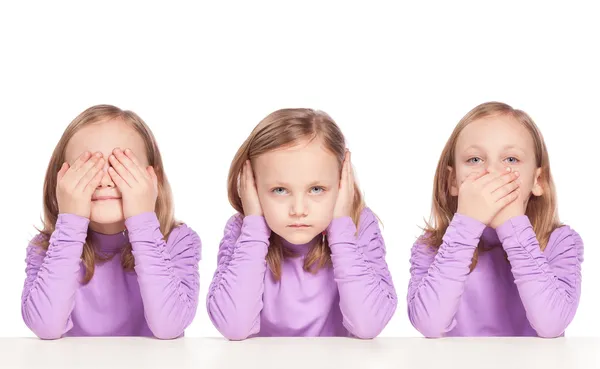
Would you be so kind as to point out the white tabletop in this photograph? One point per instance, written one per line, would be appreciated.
(305, 353)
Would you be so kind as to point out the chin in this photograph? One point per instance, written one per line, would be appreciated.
(107, 216)
(298, 238)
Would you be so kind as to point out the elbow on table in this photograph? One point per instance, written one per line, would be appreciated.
(235, 329)
(365, 328)
(549, 331)
(166, 333)
(48, 334)
(45, 329)
(234, 332)
(429, 328)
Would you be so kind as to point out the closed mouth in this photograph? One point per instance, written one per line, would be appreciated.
(102, 198)
(299, 226)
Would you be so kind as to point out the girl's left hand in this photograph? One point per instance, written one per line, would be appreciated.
(138, 185)
(514, 209)
(345, 199)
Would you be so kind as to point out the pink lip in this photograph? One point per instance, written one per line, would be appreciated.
(101, 198)
(299, 226)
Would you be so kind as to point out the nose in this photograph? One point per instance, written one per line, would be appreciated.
(299, 207)
(495, 166)
(106, 181)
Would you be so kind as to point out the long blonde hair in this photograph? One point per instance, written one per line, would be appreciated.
(541, 210)
(284, 128)
(164, 202)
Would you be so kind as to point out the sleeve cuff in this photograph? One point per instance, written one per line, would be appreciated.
(257, 223)
(472, 226)
(508, 228)
(138, 221)
(341, 229)
(74, 225)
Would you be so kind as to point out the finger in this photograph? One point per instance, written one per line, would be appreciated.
(479, 175)
(239, 181)
(243, 178)
(474, 176)
(81, 160)
(250, 176)
(122, 171)
(90, 174)
(505, 190)
(131, 167)
(94, 182)
(153, 176)
(508, 199)
(349, 163)
(350, 173)
(117, 179)
(136, 162)
(62, 171)
(344, 177)
(495, 175)
(76, 175)
(501, 180)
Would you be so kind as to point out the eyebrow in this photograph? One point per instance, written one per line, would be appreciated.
(507, 147)
(283, 184)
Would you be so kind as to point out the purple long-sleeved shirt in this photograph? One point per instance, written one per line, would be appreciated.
(354, 296)
(159, 299)
(535, 295)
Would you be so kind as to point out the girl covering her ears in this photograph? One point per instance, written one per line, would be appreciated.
(495, 260)
(304, 256)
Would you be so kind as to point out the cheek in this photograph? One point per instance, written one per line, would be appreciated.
(271, 206)
(322, 209)
(462, 172)
(527, 180)
(106, 212)
(274, 211)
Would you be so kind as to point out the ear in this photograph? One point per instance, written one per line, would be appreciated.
(453, 187)
(537, 189)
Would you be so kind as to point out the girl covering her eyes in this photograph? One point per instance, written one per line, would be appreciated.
(110, 260)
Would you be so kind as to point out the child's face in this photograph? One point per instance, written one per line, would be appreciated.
(495, 143)
(107, 205)
(297, 188)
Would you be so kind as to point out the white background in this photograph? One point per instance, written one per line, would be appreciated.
(395, 76)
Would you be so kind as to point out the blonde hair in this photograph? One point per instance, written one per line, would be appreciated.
(541, 210)
(285, 128)
(164, 202)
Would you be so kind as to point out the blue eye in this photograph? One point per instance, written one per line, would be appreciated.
(512, 160)
(474, 160)
(317, 190)
(279, 191)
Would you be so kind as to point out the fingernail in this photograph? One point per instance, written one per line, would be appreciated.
(98, 155)
(517, 174)
(127, 151)
(508, 169)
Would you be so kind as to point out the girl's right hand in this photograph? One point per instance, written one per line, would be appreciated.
(76, 184)
(482, 195)
(248, 192)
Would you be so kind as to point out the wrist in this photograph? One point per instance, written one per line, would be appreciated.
(81, 214)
